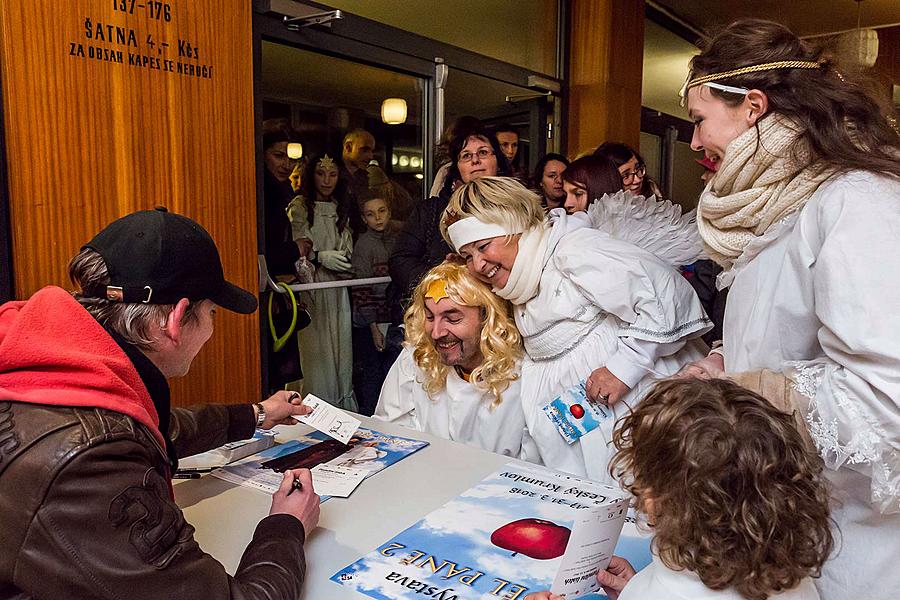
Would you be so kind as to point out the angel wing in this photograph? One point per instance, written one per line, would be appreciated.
(654, 225)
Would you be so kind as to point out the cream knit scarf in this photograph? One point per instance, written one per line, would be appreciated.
(525, 275)
(757, 184)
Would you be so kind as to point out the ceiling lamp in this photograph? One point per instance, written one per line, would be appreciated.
(393, 111)
(861, 45)
(295, 150)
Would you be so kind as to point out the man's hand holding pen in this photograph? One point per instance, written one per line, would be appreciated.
(297, 497)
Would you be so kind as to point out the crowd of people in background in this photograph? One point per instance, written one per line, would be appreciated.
(758, 434)
(611, 287)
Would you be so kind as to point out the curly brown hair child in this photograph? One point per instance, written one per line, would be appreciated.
(733, 492)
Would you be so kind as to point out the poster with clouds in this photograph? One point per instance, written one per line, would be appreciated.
(522, 529)
(368, 450)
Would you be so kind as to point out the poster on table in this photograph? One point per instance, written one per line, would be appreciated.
(368, 450)
(522, 529)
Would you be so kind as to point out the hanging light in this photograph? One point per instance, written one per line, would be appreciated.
(295, 150)
(861, 44)
(393, 111)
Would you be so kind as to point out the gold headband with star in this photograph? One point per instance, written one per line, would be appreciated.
(437, 291)
(326, 162)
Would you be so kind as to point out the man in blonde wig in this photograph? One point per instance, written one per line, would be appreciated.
(458, 374)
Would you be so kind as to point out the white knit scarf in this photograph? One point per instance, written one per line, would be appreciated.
(761, 180)
(525, 275)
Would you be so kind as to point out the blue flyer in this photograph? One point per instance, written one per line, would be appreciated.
(574, 415)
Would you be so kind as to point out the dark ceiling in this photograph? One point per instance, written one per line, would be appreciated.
(803, 17)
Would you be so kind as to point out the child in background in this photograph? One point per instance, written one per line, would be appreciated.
(734, 495)
(371, 313)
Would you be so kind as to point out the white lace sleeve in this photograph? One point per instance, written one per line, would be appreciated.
(854, 382)
(844, 430)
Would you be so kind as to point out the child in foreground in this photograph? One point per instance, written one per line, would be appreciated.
(734, 495)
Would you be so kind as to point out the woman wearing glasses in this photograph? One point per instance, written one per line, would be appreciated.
(474, 152)
(631, 167)
(804, 213)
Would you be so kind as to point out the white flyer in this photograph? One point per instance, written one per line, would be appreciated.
(594, 535)
(336, 481)
(329, 419)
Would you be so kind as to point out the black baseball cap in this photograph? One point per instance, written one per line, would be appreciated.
(159, 257)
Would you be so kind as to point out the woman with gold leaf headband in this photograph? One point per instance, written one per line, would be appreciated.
(803, 213)
(593, 311)
(321, 215)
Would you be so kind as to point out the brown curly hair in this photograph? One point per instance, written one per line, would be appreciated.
(738, 497)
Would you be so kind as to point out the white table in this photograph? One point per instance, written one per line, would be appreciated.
(225, 515)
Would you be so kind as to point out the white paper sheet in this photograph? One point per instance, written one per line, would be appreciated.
(329, 419)
(332, 480)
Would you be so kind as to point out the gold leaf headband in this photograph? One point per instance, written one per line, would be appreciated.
(326, 162)
(771, 66)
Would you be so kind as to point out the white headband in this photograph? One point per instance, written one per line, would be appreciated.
(468, 230)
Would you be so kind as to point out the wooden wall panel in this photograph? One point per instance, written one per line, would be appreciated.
(90, 139)
(606, 49)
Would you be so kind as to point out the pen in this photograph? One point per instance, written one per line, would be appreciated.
(180, 475)
(295, 486)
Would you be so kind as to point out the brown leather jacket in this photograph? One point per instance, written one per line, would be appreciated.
(86, 510)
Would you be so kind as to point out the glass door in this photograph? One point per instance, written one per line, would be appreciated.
(353, 134)
(504, 106)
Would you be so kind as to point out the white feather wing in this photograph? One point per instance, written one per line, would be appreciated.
(654, 225)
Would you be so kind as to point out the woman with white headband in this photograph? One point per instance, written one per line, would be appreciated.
(592, 310)
(803, 213)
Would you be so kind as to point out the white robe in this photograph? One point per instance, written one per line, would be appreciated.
(818, 298)
(326, 346)
(658, 582)
(460, 412)
(601, 302)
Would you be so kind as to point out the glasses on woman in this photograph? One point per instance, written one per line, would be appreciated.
(637, 173)
(481, 153)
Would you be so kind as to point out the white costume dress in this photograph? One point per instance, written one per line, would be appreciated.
(658, 582)
(818, 298)
(326, 346)
(460, 412)
(600, 302)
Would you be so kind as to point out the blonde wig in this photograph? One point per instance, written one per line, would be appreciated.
(498, 200)
(501, 344)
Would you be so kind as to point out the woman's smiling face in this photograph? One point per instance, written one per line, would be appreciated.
(492, 259)
(716, 123)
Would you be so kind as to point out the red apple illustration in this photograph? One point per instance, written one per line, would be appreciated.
(536, 538)
(577, 411)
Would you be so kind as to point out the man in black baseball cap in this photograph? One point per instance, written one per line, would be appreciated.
(89, 443)
(158, 257)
